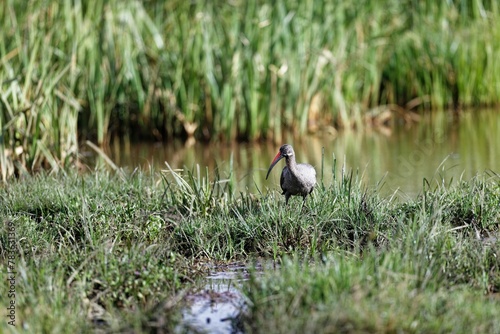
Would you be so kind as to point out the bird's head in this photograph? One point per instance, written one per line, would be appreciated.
(286, 151)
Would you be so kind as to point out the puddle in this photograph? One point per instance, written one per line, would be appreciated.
(217, 307)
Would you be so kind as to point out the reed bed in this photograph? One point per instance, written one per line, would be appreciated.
(75, 70)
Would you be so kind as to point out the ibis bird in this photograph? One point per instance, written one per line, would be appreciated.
(296, 179)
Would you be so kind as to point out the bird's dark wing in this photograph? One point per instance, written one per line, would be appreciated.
(284, 174)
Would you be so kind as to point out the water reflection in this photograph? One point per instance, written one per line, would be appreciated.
(437, 147)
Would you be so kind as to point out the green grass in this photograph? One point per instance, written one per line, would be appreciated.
(89, 249)
(119, 251)
(374, 293)
(74, 70)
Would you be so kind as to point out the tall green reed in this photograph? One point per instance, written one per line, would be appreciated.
(238, 70)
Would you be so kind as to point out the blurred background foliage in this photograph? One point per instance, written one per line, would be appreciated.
(231, 70)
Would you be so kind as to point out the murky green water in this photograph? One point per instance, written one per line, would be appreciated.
(399, 158)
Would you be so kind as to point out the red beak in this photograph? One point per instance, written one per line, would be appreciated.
(277, 158)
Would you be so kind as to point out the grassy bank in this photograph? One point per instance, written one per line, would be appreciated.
(374, 293)
(118, 251)
(76, 70)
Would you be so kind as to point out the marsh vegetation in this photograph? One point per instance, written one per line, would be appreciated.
(116, 252)
(119, 251)
(77, 70)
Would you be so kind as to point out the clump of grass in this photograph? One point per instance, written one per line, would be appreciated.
(376, 292)
(194, 194)
(91, 250)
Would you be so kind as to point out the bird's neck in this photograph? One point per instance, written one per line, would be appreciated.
(291, 164)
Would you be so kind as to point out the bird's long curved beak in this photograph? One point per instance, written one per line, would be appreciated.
(277, 158)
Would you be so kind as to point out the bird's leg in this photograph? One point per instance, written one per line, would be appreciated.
(303, 203)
